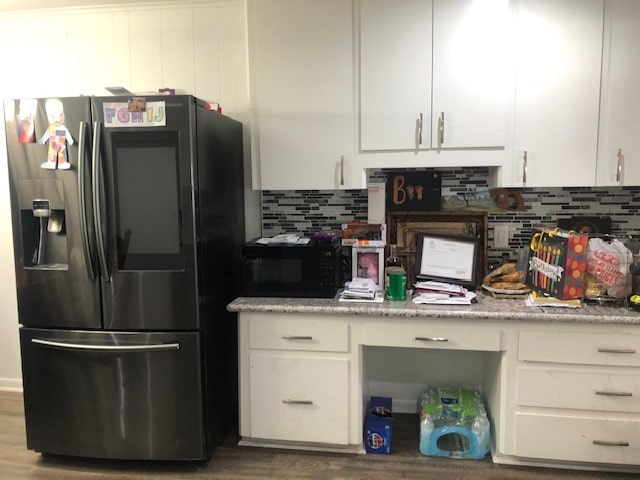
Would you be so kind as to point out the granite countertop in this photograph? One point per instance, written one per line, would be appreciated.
(487, 308)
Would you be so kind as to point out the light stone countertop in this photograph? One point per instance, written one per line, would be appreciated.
(487, 308)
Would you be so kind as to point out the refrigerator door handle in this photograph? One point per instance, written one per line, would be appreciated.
(108, 348)
(97, 206)
(82, 164)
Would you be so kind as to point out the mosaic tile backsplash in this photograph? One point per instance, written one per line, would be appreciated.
(309, 211)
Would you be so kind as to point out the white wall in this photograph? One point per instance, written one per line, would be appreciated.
(195, 47)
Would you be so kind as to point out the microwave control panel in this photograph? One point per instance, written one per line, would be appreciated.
(327, 268)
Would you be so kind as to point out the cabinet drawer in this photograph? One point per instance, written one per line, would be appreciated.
(578, 390)
(299, 399)
(299, 335)
(434, 336)
(580, 348)
(578, 439)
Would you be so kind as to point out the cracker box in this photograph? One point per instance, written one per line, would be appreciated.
(377, 434)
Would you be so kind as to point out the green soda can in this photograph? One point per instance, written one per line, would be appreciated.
(396, 283)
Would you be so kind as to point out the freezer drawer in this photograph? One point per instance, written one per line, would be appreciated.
(113, 395)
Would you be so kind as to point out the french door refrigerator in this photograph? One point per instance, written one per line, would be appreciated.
(127, 225)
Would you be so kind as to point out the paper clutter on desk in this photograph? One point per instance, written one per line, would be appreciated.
(444, 299)
(431, 286)
(360, 288)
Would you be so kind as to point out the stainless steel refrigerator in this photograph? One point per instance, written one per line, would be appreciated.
(127, 225)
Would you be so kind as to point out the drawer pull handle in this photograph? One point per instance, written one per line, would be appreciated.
(610, 444)
(431, 339)
(617, 350)
(298, 402)
(297, 337)
(614, 394)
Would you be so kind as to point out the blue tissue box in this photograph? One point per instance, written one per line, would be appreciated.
(377, 435)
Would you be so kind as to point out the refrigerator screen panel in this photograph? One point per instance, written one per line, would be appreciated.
(148, 221)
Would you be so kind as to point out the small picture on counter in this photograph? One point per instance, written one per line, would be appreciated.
(368, 262)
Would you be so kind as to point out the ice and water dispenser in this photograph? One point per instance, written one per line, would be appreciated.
(42, 219)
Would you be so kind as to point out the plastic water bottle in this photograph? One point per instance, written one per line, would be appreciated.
(480, 427)
(426, 429)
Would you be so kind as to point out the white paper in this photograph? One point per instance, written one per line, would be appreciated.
(447, 258)
(443, 299)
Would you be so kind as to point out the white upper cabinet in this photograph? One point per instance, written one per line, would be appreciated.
(472, 73)
(301, 88)
(619, 146)
(434, 74)
(559, 50)
(395, 74)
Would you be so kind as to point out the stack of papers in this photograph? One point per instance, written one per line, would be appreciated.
(361, 290)
(439, 293)
(439, 287)
(535, 299)
(290, 238)
(444, 299)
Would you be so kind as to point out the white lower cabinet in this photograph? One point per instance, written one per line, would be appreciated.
(557, 393)
(578, 396)
(294, 379)
(581, 439)
(295, 398)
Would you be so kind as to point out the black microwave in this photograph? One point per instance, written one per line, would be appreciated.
(311, 270)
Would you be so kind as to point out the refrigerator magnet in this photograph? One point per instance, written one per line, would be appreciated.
(26, 113)
(57, 136)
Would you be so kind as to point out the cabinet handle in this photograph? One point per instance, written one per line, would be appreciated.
(441, 130)
(617, 350)
(614, 394)
(431, 339)
(524, 167)
(610, 444)
(420, 130)
(342, 170)
(297, 402)
(297, 337)
(619, 167)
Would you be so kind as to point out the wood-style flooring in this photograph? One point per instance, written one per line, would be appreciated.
(247, 463)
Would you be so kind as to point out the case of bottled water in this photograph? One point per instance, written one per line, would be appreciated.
(453, 423)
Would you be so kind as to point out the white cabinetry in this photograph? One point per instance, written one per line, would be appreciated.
(450, 51)
(619, 146)
(301, 88)
(559, 45)
(578, 396)
(294, 380)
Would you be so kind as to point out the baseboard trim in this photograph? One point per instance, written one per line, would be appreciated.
(11, 385)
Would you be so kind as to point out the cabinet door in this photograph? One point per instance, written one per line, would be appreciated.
(301, 82)
(299, 398)
(559, 45)
(619, 147)
(395, 74)
(472, 73)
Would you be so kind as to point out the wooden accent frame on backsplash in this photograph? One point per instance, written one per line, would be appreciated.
(402, 228)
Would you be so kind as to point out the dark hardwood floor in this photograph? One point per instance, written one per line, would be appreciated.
(243, 463)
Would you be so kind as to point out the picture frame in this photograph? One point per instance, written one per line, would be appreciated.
(403, 227)
(368, 262)
(447, 258)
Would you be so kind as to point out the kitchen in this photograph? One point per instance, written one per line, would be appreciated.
(215, 68)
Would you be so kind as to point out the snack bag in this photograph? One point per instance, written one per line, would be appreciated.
(609, 264)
